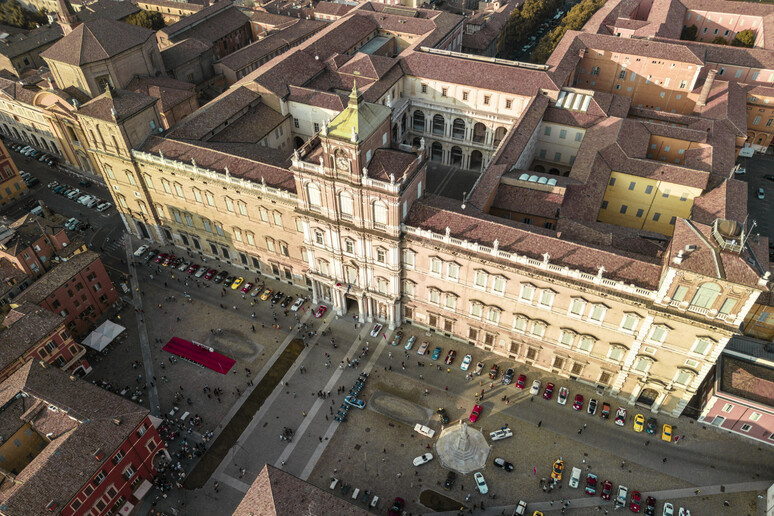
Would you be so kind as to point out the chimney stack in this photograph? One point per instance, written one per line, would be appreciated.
(705, 90)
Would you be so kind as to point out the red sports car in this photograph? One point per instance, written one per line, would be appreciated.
(161, 257)
(210, 274)
(475, 413)
(321, 311)
(549, 392)
(193, 268)
(578, 403)
(246, 288)
(607, 489)
(636, 501)
(521, 382)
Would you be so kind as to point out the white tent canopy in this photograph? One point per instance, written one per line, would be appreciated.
(103, 335)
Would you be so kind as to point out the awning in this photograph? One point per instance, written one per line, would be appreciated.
(142, 490)
(104, 335)
(199, 355)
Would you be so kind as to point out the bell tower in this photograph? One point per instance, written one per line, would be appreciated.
(66, 16)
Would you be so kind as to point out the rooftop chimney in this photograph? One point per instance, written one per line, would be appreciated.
(705, 90)
(679, 258)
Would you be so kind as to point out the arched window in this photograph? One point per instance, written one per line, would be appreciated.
(499, 135)
(346, 205)
(419, 121)
(439, 125)
(479, 132)
(313, 193)
(380, 213)
(706, 295)
(458, 129)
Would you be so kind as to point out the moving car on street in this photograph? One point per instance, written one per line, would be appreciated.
(443, 415)
(423, 459)
(502, 433)
(451, 477)
(141, 250)
(375, 330)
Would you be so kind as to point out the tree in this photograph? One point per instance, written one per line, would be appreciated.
(12, 13)
(719, 40)
(745, 38)
(148, 19)
(575, 19)
(523, 22)
(689, 33)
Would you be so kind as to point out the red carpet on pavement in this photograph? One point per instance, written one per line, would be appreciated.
(199, 355)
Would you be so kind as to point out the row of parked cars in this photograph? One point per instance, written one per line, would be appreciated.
(75, 194)
(31, 152)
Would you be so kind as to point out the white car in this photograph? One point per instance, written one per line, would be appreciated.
(423, 459)
(575, 478)
(375, 331)
(296, 305)
(410, 343)
(479, 368)
(423, 348)
(201, 271)
(422, 429)
(466, 362)
(669, 510)
(480, 483)
(104, 206)
(564, 393)
(141, 250)
(620, 416)
(684, 512)
(535, 389)
(502, 433)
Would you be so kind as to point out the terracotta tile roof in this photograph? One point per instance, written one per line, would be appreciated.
(319, 99)
(57, 277)
(170, 92)
(85, 418)
(96, 40)
(492, 22)
(472, 72)
(125, 103)
(332, 8)
(217, 159)
(209, 24)
(746, 379)
(437, 213)
(285, 38)
(252, 126)
(25, 326)
(726, 201)
(526, 200)
(277, 493)
(270, 19)
(173, 4)
(26, 41)
(368, 66)
(294, 68)
(757, 58)
(210, 117)
(390, 161)
(183, 51)
(340, 37)
(107, 9)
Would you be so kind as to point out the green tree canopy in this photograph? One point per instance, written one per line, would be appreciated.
(689, 33)
(12, 13)
(522, 23)
(745, 38)
(148, 19)
(574, 20)
(719, 40)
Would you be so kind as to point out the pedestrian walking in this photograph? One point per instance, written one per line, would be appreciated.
(540, 423)
(217, 486)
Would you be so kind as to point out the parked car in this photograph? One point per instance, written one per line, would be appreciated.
(578, 403)
(423, 348)
(521, 381)
(397, 338)
(502, 433)
(620, 497)
(651, 425)
(299, 302)
(620, 416)
(354, 402)
(321, 311)
(548, 393)
(575, 478)
(494, 372)
(104, 206)
(424, 430)
(285, 302)
(209, 274)
(237, 282)
(480, 483)
(592, 408)
(636, 501)
(423, 459)
(761, 193)
(639, 423)
(591, 484)
(564, 392)
(443, 415)
(375, 330)
(141, 250)
(436, 353)
(605, 410)
(668, 510)
(650, 506)
(277, 298)
(466, 362)
(450, 357)
(246, 287)
(397, 507)
(535, 389)
(607, 489)
(666, 433)
(410, 343)
(266, 294)
(508, 376)
(151, 255)
(479, 368)
(502, 463)
(475, 413)
(451, 477)
(161, 257)
(184, 266)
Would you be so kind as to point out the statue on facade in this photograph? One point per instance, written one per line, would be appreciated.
(365, 172)
(228, 172)
(324, 129)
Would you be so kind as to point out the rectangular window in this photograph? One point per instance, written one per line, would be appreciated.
(499, 285)
(624, 208)
(632, 185)
(746, 428)
(629, 322)
(454, 271)
(547, 131)
(546, 298)
(539, 329)
(179, 190)
(577, 306)
(527, 293)
(444, 92)
(508, 104)
(424, 88)
(563, 134)
(487, 98)
(435, 266)
(640, 212)
(219, 229)
(557, 156)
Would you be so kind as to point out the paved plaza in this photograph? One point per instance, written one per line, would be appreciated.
(374, 448)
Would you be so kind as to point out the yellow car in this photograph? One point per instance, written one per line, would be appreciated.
(556, 473)
(666, 433)
(236, 283)
(266, 294)
(537, 513)
(639, 423)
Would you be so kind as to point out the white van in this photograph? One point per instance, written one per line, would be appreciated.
(575, 478)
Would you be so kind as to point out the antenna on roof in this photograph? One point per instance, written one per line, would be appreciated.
(464, 194)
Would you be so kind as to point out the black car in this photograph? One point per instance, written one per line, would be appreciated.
(229, 280)
(84, 182)
(769, 177)
(32, 181)
(444, 416)
(651, 425)
(508, 376)
(277, 298)
(150, 255)
(220, 277)
(493, 372)
(502, 463)
(286, 301)
(450, 479)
